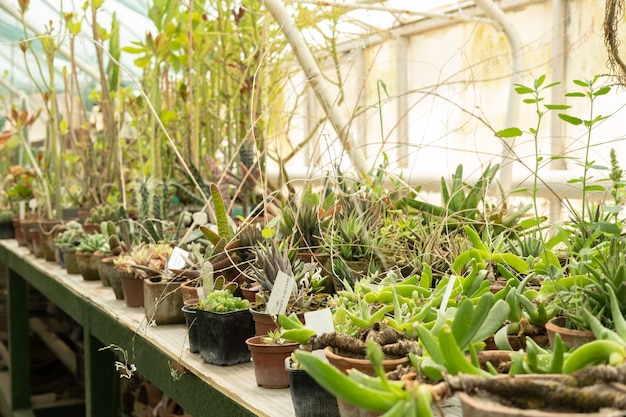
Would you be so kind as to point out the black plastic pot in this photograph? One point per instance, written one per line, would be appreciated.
(308, 397)
(222, 336)
(7, 231)
(192, 330)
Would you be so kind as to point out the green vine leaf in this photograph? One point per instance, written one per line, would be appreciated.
(510, 132)
(570, 119)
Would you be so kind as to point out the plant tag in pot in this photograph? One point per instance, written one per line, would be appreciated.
(284, 286)
(177, 259)
(320, 320)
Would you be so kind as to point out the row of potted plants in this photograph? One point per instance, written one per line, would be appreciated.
(375, 254)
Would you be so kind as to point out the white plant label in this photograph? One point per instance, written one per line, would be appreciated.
(177, 259)
(200, 218)
(22, 205)
(320, 320)
(284, 286)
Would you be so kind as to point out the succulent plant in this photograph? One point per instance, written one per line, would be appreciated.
(71, 236)
(223, 301)
(269, 261)
(92, 243)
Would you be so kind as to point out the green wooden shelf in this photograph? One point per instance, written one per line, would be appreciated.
(159, 353)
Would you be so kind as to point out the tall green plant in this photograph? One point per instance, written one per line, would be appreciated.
(588, 220)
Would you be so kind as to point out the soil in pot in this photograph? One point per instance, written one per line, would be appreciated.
(269, 362)
(132, 288)
(222, 336)
(308, 397)
(572, 337)
(163, 301)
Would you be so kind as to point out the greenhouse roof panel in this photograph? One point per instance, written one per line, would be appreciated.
(47, 16)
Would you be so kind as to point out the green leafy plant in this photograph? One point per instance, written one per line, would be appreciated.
(71, 236)
(223, 301)
(93, 242)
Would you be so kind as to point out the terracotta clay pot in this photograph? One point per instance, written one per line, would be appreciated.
(114, 278)
(25, 227)
(133, 289)
(69, 258)
(88, 269)
(264, 323)
(36, 245)
(344, 363)
(249, 293)
(572, 337)
(269, 362)
(189, 290)
(163, 301)
(91, 228)
(104, 265)
(477, 405)
(19, 233)
(49, 229)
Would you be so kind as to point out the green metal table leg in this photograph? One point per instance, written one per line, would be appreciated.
(102, 390)
(19, 342)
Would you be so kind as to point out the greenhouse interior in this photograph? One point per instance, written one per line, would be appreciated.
(312, 208)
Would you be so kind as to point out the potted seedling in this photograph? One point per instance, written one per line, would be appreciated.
(224, 324)
(223, 321)
(87, 246)
(272, 260)
(268, 355)
(66, 243)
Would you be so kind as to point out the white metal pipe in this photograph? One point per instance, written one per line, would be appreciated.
(393, 10)
(507, 156)
(317, 82)
(65, 354)
(559, 39)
